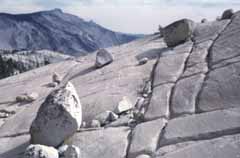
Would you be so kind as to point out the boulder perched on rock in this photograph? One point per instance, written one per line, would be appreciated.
(59, 117)
(103, 58)
(124, 105)
(106, 117)
(227, 14)
(40, 151)
(178, 32)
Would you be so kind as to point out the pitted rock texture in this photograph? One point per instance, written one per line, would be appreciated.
(58, 118)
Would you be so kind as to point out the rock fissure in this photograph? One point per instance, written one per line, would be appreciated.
(208, 62)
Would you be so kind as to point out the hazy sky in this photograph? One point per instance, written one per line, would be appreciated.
(133, 16)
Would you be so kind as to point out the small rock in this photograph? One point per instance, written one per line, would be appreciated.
(124, 105)
(56, 78)
(140, 102)
(59, 117)
(218, 18)
(72, 152)
(122, 121)
(143, 61)
(4, 115)
(32, 96)
(132, 123)
(40, 151)
(29, 97)
(52, 84)
(204, 20)
(103, 58)
(84, 124)
(62, 149)
(106, 117)
(178, 32)
(143, 156)
(95, 124)
(227, 14)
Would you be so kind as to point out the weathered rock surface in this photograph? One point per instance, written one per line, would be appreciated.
(59, 117)
(223, 147)
(40, 151)
(14, 147)
(178, 32)
(103, 58)
(110, 142)
(124, 105)
(145, 137)
(202, 126)
(185, 94)
(160, 102)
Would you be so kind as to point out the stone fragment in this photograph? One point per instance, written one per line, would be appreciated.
(62, 149)
(124, 105)
(145, 137)
(59, 117)
(122, 121)
(28, 97)
(202, 126)
(143, 61)
(4, 115)
(178, 32)
(52, 84)
(106, 117)
(95, 124)
(72, 152)
(103, 58)
(56, 78)
(227, 14)
(40, 151)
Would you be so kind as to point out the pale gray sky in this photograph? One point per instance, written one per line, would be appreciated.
(132, 16)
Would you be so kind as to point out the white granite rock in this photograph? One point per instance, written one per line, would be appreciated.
(124, 105)
(40, 151)
(59, 117)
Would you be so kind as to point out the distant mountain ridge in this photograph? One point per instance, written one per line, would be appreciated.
(57, 31)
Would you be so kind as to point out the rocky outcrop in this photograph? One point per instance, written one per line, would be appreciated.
(58, 118)
(227, 14)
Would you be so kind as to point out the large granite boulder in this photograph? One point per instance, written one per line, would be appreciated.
(40, 151)
(103, 58)
(178, 32)
(59, 117)
(227, 14)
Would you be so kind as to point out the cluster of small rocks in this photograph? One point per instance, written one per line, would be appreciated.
(124, 115)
